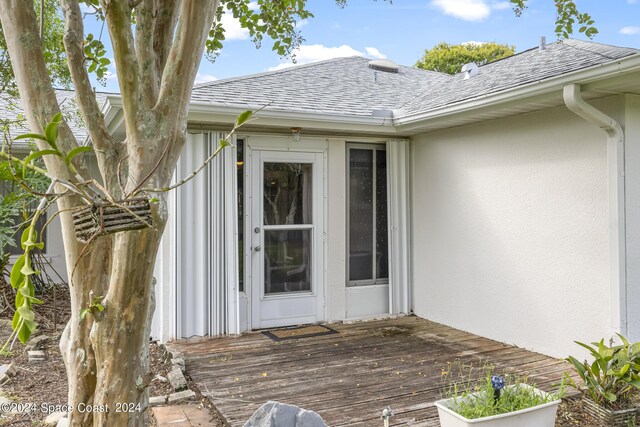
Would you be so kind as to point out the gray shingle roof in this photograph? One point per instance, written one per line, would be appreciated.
(345, 86)
(526, 67)
(11, 110)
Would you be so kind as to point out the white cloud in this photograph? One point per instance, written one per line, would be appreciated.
(630, 30)
(204, 78)
(306, 54)
(473, 43)
(372, 52)
(232, 28)
(501, 5)
(302, 23)
(468, 10)
(632, 1)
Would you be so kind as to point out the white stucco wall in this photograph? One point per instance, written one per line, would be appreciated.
(510, 226)
(632, 189)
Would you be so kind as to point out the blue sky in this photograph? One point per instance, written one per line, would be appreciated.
(401, 31)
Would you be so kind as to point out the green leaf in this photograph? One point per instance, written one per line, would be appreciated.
(24, 333)
(74, 152)
(242, 118)
(84, 313)
(30, 136)
(40, 153)
(27, 270)
(224, 143)
(99, 307)
(26, 313)
(16, 276)
(51, 130)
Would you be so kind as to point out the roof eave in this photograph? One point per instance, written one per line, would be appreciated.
(202, 113)
(542, 87)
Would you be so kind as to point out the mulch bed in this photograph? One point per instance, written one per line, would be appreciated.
(46, 381)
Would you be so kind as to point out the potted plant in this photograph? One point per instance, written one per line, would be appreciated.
(497, 401)
(611, 383)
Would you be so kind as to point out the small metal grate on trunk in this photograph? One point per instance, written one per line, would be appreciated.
(106, 218)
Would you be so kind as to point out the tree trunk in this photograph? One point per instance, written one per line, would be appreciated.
(120, 340)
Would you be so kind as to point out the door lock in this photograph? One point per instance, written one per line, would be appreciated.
(256, 230)
(258, 248)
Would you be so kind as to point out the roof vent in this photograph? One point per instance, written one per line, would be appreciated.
(470, 70)
(543, 44)
(384, 65)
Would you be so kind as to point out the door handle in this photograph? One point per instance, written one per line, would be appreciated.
(257, 248)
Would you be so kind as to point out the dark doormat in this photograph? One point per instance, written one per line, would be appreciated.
(299, 332)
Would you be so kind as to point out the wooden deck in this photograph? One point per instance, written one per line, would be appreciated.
(349, 377)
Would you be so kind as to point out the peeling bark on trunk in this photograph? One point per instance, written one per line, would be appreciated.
(120, 340)
(106, 353)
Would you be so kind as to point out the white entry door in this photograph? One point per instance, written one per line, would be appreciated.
(287, 238)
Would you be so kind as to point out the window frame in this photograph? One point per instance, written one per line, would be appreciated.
(375, 147)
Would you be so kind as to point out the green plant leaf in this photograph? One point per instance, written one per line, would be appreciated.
(26, 313)
(30, 136)
(51, 130)
(16, 276)
(40, 153)
(243, 117)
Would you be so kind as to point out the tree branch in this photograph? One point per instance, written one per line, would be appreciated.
(165, 25)
(194, 23)
(20, 28)
(145, 17)
(106, 147)
(118, 17)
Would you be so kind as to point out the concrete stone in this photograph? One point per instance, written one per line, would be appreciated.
(179, 362)
(181, 396)
(177, 379)
(36, 356)
(160, 378)
(63, 422)
(275, 414)
(54, 418)
(157, 400)
(36, 342)
(185, 415)
(6, 372)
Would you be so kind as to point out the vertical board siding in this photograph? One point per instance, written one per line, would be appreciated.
(398, 172)
(207, 276)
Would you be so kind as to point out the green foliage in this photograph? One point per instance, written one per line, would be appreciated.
(94, 307)
(613, 378)
(94, 53)
(50, 137)
(15, 200)
(567, 14)
(54, 54)
(449, 59)
(274, 19)
(473, 394)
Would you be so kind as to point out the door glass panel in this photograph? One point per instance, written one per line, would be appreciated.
(287, 193)
(360, 214)
(287, 258)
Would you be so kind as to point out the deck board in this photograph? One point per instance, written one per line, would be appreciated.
(349, 377)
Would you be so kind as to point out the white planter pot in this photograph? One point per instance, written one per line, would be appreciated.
(536, 416)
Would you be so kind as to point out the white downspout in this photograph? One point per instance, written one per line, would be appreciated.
(617, 235)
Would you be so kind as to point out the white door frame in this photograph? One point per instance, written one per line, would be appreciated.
(282, 149)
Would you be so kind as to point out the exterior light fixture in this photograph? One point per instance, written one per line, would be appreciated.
(296, 134)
